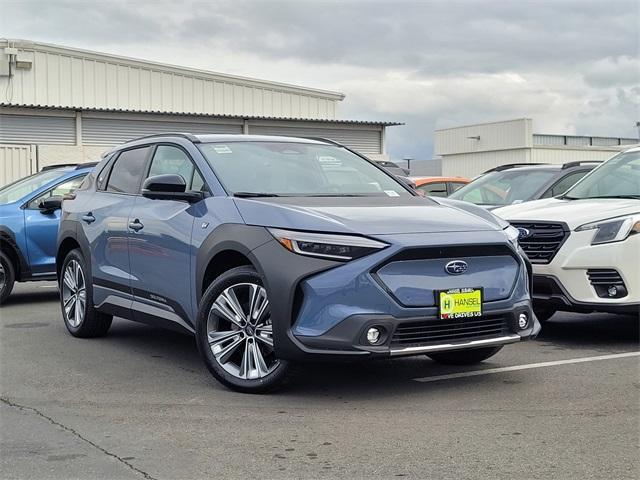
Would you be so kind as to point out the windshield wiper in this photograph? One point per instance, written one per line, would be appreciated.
(566, 197)
(254, 194)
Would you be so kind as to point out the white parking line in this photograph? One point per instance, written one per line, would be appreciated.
(525, 367)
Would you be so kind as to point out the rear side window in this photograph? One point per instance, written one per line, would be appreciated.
(127, 172)
(456, 185)
(565, 184)
(438, 189)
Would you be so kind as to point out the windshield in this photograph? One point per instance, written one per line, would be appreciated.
(16, 190)
(504, 188)
(618, 177)
(296, 169)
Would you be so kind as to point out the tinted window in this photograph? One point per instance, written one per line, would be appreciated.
(564, 184)
(438, 189)
(456, 186)
(168, 159)
(59, 190)
(128, 170)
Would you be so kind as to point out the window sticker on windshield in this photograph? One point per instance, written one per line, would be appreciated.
(326, 160)
(392, 193)
(222, 149)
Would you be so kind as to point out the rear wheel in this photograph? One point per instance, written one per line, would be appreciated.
(76, 298)
(7, 277)
(235, 333)
(464, 357)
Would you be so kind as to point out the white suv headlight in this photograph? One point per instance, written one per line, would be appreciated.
(612, 229)
(326, 245)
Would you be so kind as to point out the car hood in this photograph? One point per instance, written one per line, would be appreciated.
(573, 212)
(360, 215)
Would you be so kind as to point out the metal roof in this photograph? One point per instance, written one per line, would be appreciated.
(206, 115)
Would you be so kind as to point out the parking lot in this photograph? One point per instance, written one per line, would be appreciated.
(139, 403)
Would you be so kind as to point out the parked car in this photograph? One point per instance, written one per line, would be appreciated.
(29, 217)
(522, 182)
(584, 244)
(439, 186)
(259, 248)
(393, 168)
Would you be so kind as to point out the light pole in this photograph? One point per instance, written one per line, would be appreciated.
(408, 160)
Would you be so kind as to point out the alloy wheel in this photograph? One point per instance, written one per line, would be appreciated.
(240, 333)
(74, 293)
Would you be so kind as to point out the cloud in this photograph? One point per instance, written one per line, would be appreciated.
(572, 66)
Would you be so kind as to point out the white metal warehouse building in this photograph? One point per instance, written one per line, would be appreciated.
(64, 105)
(470, 150)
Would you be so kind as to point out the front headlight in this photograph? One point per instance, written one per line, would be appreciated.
(512, 234)
(612, 229)
(325, 245)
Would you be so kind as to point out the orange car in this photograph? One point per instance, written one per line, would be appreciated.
(439, 186)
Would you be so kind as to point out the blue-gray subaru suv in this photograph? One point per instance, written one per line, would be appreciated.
(277, 250)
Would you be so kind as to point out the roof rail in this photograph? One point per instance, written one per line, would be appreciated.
(507, 166)
(578, 163)
(63, 165)
(189, 136)
(322, 139)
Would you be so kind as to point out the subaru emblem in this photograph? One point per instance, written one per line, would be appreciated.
(523, 232)
(456, 267)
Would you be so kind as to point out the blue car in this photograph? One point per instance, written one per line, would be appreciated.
(29, 218)
(277, 250)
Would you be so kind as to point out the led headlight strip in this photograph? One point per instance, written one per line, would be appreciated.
(326, 245)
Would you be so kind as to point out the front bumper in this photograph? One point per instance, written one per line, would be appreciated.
(565, 283)
(322, 309)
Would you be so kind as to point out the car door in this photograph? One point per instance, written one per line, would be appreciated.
(160, 245)
(105, 221)
(41, 228)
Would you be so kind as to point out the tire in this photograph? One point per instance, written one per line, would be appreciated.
(76, 291)
(234, 334)
(7, 277)
(464, 357)
(544, 314)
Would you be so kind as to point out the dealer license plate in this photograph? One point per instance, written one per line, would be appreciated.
(460, 303)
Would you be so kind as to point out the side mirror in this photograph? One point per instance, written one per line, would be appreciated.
(50, 204)
(169, 187)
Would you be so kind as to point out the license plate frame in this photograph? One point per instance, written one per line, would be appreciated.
(469, 303)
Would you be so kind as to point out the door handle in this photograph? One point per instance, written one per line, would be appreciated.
(89, 218)
(136, 225)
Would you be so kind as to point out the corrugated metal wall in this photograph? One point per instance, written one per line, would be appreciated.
(471, 164)
(52, 130)
(64, 77)
(366, 141)
(558, 155)
(108, 131)
(16, 161)
(507, 135)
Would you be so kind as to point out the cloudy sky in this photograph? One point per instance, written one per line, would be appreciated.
(572, 66)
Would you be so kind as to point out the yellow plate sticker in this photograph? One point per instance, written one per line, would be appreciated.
(460, 303)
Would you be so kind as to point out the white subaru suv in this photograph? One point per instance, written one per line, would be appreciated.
(585, 244)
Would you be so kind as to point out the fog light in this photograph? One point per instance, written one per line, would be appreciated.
(612, 291)
(523, 319)
(373, 335)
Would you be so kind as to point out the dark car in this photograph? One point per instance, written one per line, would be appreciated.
(522, 182)
(274, 250)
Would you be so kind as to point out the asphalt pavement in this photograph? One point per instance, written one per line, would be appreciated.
(139, 404)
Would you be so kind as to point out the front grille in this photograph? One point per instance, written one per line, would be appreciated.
(604, 276)
(449, 331)
(543, 241)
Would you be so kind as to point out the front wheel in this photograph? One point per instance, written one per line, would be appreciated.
(76, 298)
(234, 333)
(464, 357)
(7, 277)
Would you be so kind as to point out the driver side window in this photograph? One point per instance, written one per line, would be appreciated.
(59, 190)
(168, 159)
